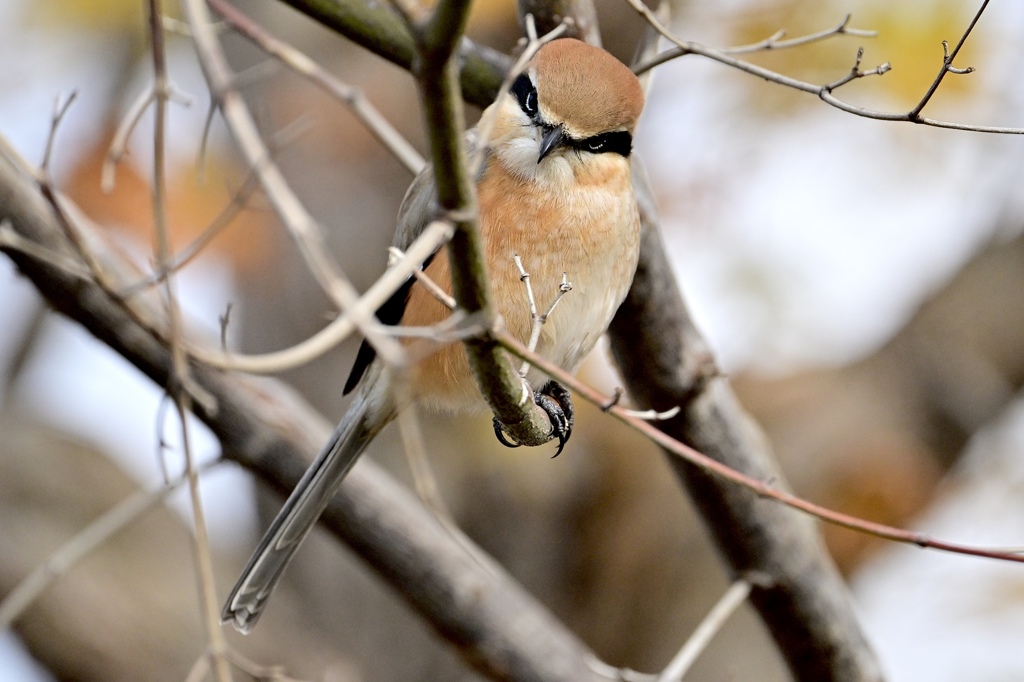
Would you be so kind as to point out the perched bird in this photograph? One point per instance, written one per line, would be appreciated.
(555, 189)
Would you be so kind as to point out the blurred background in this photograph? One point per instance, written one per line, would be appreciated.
(860, 281)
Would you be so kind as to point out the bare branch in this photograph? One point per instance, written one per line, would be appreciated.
(776, 41)
(665, 362)
(119, 143)
(180, 375)
(763, 488)
(856, 72)
(378, 27)
(538, 318)
(712, 623)
(80, 546)
(494, 623)
(434, 236)
(302, 227)
(60, 109)
(578, 16)
(824, 92)
(231, 210)
(353, 97)
(193, 249)
(12, 241)
(654, 415)
(947, 62)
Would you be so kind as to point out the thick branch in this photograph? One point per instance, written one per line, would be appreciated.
(494, 623)
(379, 29)
(549, 13)
(665, 363)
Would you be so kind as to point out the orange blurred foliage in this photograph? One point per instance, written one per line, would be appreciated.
(192, 204)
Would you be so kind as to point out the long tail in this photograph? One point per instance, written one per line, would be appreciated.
(364, 419)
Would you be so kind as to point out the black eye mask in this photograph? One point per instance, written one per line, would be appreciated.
(615, 142)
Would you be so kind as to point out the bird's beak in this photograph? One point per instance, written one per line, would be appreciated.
(550, 140)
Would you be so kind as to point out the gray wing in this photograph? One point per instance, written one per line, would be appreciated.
(418, 208)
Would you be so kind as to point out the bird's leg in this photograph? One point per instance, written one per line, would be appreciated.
(555, 400)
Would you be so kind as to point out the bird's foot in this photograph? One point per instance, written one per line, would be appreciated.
(555, 400)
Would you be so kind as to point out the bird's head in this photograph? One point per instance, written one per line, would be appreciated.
(574, 105)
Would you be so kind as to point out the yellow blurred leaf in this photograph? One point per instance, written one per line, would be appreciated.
(910, 35)
(105, 16)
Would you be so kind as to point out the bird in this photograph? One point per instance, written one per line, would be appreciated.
(554, 187)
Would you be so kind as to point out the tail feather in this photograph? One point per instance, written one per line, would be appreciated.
(300, 512)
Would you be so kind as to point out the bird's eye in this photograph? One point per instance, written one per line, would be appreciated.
(526, 94)
(596, 144)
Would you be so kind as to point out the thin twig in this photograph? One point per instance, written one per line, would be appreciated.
(84, 543)
(531, 303)
(709, 627)
(74, 238)
(564, 287)
(762, 488)
(824, 92)
(98, 273)
(119, 143)
(423, 474)
(947, 62)
(161, 443)
(60, 109)
(231, 211)
(353, 97)
(199, 669)
(10, 239)
(538, 320)
(204, 139)
(615, 674)
(455, 327)
(179, 364)
(647, 47)
(416, 453)
(434, 236)
(424, 280)
(776, 41)
(654, 415)
(301, 226)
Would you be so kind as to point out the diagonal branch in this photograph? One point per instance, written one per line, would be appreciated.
(301, 226)
(947, 62)
(665, 362)
(495, 624)
(374, 121)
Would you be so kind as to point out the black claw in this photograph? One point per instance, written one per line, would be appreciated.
(500, 433)
(557, 403)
